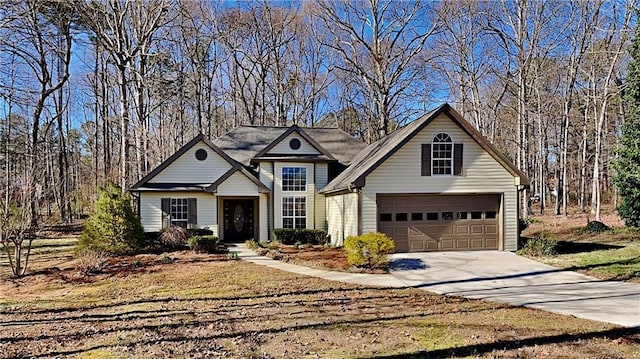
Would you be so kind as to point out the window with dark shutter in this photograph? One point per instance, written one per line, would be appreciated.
(426, 160)
(457, 159)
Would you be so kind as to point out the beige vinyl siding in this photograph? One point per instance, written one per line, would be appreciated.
(151, 210)
(342, 217)
(283, 147)
(237, 185)
(266, 173)
(263, 221)
(278, 193)
(321, 180)
(481, 174)
(188, 169)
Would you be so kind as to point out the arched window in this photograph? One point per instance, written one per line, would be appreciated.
(442, 154)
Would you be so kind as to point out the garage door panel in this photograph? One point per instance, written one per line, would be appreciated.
(440, 222)
(462, 243)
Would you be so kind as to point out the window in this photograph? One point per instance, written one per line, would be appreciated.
(385, 217)
(441, 157)
(401, 217)
(416, 216)
(476, 215)
(461, 215)
(181, 212)
(447, 216)
(432, 216)
(294, 179)
(490, 215)
(442, 154)
(294, 212)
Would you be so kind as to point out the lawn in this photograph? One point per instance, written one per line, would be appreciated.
(611, 255)
(184, 304)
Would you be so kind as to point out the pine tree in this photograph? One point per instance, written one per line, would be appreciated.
(114, 227)
(627, 166)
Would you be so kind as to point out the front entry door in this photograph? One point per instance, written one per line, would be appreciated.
(238, 220)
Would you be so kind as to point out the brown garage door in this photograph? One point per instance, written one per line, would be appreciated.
(419, 223)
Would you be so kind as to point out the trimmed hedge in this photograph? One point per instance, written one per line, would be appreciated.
(300, 236)
(200, 232)
(369, 250)
(203, 244)
(539, 246)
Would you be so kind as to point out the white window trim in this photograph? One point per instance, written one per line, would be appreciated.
(433, 158)
(304, 185)
(184, 203)
(295, 215)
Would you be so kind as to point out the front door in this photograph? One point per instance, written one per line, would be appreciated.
(238, 220)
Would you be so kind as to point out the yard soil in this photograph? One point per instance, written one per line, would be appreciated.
(186, 304)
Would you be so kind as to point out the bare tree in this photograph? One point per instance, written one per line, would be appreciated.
(379, 44)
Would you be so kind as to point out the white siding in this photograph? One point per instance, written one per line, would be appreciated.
(263, 213)
(237, 185)
(342, 217)
(321, 180)
(282, 147)
(310, 194)
(151, 209)
(481, 174)
(266, 173)
(188, 169)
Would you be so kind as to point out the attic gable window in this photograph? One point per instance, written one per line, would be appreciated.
(441, 157)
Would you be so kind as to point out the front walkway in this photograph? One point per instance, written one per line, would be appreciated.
(491, 275)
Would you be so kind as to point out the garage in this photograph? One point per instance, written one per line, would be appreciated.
(419, 222)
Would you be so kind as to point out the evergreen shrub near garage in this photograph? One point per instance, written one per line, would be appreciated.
(291, 236)
(541, 245)
(369, 250)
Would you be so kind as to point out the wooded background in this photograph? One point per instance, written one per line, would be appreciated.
(98, 92)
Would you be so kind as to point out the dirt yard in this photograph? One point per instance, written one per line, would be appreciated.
(184, 304)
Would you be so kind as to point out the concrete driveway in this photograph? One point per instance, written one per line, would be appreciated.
(508, 278)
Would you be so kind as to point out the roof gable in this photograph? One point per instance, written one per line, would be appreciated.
(276, 147)
(218, 160)
(378, 152)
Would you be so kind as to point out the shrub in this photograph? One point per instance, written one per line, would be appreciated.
(304, 236)
(91, 261)
(523, 224)
(369, 250)
(539, 246)
(203, 244)
(173, 237)
(114, 227)
(595, 227)
(200, 232)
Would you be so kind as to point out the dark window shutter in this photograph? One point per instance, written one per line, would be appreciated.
(457, 159)
(426, 159)
(192, 217)
(166, 208)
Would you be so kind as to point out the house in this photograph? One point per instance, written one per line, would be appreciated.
(434, 184)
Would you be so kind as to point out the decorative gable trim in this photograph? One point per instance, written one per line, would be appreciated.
(294, 128)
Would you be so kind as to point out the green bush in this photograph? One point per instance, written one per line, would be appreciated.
(290, 236)
(204, 244)
(174, 237)
(539, 246)
(200, 232)
(595, 227)
(369, 250)
(113, 228)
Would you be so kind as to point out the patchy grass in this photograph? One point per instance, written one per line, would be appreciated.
(610, 255)
(199, 305)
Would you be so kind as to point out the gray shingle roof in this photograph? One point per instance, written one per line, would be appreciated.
(245, 142)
